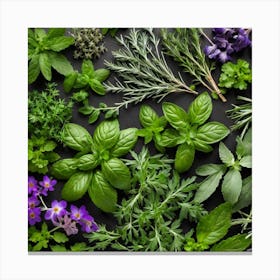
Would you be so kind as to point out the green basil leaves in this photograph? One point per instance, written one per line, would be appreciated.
(96, 168)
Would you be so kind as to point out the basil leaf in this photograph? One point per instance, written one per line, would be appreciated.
(214, 226)
(64, 168)
(212, 132)
(94, 116)
(60, 63)
(226, 155)
(231, 186)
(236, 243)
(175, 115)
(86, 110)
(244, 147)
(87, 68)
(245, 197)
(33, 69)
(69, 81)
(117, 173)
(97, 87)
(126, 142)
(81, 81)
(202, 146)
(55, 32)
(184, 158)
(76, 186)
(60, 43)
(147, 116)
(107, 134)
(246, 162)
(171, 138)
(102, 194)
(88, 162)
(200, 109)
(209, 169)
(76, 137)
(207, 187)
(45, 66)
(101, 75)
(40, 33)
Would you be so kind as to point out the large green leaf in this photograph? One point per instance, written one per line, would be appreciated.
(200, 109)
(147, 116)
(65, 168)
(76, 186)
(101, 75)
(117, 173)
(102, 194)
(226, 155)
(236, 243)
(60, 63)
(58, 44)
(107, 134)
(214, 226)
(88, 161)
(45, 66)
(126, 142)
(231, 186)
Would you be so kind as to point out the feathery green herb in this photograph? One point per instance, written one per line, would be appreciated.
(143, 70)
(183, 44)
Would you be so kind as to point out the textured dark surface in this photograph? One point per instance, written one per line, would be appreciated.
(129, 118)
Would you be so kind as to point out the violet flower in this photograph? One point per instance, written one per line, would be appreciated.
(34, 215)
(47, 185)
(225, 42)
(78, 214)
(57, 210)
(33, 201)
(32, 185)
(88, 224)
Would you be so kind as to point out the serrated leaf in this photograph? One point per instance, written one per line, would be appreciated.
(209, 169)
(58, 248)
(245, 197)
(60, 237)
(45, 66)
(246, 162)
(60, 63)
(226, 155)
(33, 69)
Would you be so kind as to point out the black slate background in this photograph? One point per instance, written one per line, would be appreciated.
(129, 118)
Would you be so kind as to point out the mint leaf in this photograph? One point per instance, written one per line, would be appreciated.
(33, 69)
(226, 155)
(60, 63)
(214, 226)
(60, 43)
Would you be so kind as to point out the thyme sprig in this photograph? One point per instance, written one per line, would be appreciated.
(143, 70)
(184, 46)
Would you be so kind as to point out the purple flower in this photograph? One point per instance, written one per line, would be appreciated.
(225, 42)
(47, 185)
(88, 224)
(32, 185)
(78, 214)
(34, 215)
(33, 201)
(57, 210)
(67, 224)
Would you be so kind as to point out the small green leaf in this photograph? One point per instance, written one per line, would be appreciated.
(226, 155)
(69, 81)
(246, 162)
(207, 187)
(78, 247)
(171, 138)
(94, 116)
(86, 110)
(184, 158)
(102, 194)
(55, 32)
(58, 44)
(214, 226)
(236, 243)
(209, 169)
(33, 69)
(147, 116)
(87, 68)
(97, 87)
(45, 66)
(88, 162)
(231, 186)
(212, 132)
(200, 109)
(58, 248)
(175, 115)
(49, 146)
(76, 186)
(60, 63)
(245, 197)
(60, 237)
(101, 75)
(202, 146)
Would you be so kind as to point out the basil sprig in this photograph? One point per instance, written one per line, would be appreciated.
(96, 168)
(190, 131)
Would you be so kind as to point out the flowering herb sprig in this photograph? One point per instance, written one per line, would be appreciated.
(225, 42)
(58, 214)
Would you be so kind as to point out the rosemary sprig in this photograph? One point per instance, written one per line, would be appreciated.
(184, 46)
(241, 115)
(143, 70)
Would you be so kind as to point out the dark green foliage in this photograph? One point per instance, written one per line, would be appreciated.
(48, 113)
